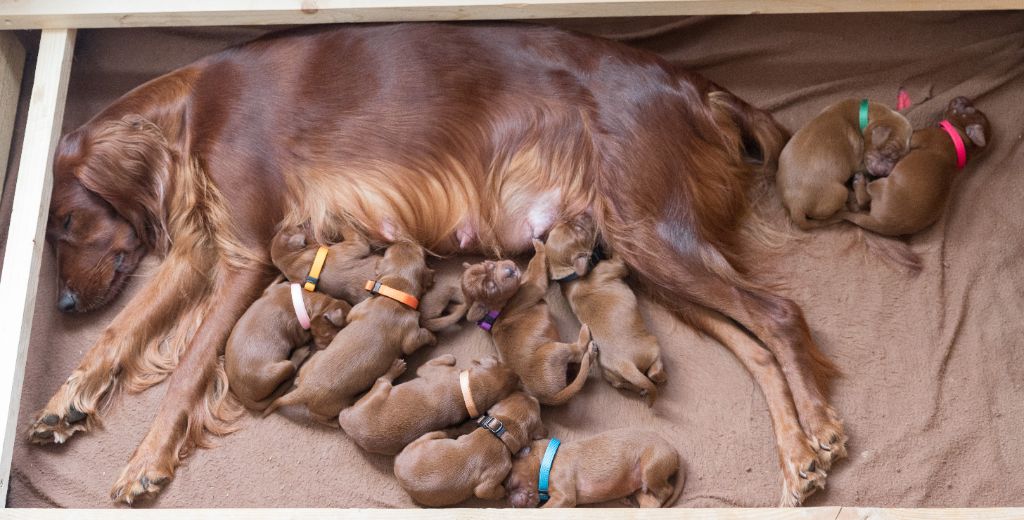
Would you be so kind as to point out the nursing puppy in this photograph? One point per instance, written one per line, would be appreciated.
(257, 354)
(379, 330)
(821, 157)
(388, 417)
(511, 306)
(438, 471)
(630, 356)
(608, 466)
(914, 195)
(346, 268)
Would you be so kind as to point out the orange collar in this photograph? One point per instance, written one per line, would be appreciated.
(313, 277)
(376, 287)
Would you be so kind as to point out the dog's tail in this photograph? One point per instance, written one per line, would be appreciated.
(762, 137)
(294, 397)
(439, 323)
(677, 488)
(628, 371)
(573, 388)
(893, 251)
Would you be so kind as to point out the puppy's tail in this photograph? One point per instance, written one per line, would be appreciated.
(762, 137)
(440, 323)
(893, 251)
(677, 489)
(573, 388)
(293, 397)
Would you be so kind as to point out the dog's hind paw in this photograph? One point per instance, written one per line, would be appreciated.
(138, 483)
(829, 440)
(802, 476)
(53, 426)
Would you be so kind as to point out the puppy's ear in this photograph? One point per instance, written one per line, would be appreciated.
(428, 278)
(581, 265)
(296, 242)
(524, 451)
(540, 432)
(476, 312)
(336, 316)
(977, 134)
(488, 362)
(879, 134)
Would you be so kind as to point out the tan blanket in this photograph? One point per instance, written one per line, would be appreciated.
(934, 365)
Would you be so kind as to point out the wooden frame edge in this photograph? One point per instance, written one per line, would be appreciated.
(106, 13)
(12, 66)
(20, 276)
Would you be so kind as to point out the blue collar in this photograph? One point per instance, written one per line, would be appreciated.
(545, 469)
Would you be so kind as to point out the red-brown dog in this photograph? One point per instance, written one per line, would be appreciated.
(388, 417)
(511, 307)
(256, 357)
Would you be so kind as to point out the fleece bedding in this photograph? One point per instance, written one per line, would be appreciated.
(933, 365)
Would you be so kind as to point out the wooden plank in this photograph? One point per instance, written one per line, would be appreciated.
(811, 513)
(146, 13)
(28, 221)
(878, 513)
(12, 64)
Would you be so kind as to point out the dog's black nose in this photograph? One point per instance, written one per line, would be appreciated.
(68, 301)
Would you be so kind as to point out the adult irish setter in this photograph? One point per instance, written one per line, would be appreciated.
(464, 138)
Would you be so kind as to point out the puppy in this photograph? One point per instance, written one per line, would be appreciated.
(379, 330)
(346, 268)
(630, 356)
(512, 307)
(914, 195)
(822, 156)
(388, 417)
(608, 466)
(438, 471)
(257, 353)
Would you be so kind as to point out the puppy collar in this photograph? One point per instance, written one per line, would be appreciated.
(497, 428)
(467, 394)
(958, 143)
(595, 256)
(863, 115)
(545, 469)
(487, 322)
(375, 287)
(314, 270)
(300, 306)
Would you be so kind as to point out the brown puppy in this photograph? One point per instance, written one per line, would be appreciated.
(379, 330)
(388, 417)
(522, 328)
(348, 265)
(256, 357)
(608, 466)
(630, 356)
(438, 471)
(820, 157)
(914, 195)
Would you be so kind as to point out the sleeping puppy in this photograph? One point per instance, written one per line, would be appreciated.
(914, 195)
(511, 307)
(379, 330)
(257, 353)
(822, 156)
(630, 356)
(388, 417)
(438, 471)
(345, 269)
(608, 466)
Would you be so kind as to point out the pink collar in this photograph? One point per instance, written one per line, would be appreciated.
(958, 143)
(300, 306)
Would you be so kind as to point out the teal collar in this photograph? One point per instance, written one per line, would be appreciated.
(545, 469)
(863, 115)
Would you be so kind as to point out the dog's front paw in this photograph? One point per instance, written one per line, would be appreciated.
(56, 424)
(828, 438)
(801, 475)
(397, 368)
(139, 481)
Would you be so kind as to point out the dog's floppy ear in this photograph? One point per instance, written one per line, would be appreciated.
(476, 311)
(581, 264)
(880, 133)
(524, 451)
(127, 161)
(336, 316)
(296, 242)
(977, 134)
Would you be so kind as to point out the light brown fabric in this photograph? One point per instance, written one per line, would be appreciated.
(934, 365)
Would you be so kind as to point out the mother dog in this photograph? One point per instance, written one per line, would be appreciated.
(472, 138)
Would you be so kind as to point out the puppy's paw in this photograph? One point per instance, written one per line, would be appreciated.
(802, 475)
(57, 424)
(397, 368)
(538, 246)
(137, 482)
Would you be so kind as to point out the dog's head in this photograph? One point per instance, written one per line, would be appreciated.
(327, 319)
(521, 483)
(488, 285)
(886, 141)
(292, 251)
(497, 377)
(107, 195)
(569, 246)
(969, 120)
(407, 262)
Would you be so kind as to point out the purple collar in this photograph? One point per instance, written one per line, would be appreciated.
(488, 321)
